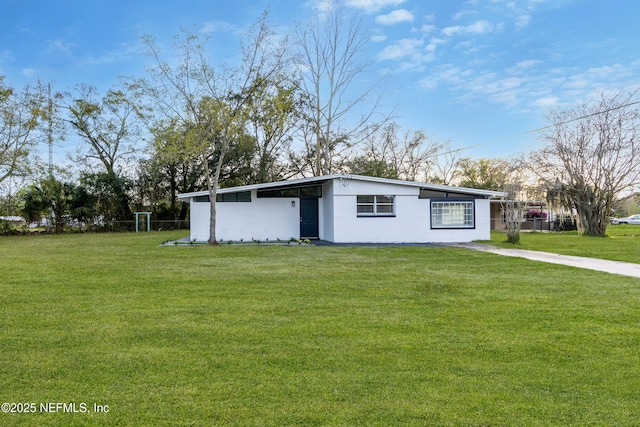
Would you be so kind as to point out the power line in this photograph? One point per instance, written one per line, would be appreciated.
(539, 129)
(583, 117)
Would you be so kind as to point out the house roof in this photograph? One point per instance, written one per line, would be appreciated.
(324, 178)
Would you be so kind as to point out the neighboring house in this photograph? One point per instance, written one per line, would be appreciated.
(14, 220)
(537, 216)
(344, 209)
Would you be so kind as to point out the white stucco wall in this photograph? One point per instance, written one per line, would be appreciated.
(411, 223)
(276, 218)
(482, 230)
(260, 219)
(326, 213)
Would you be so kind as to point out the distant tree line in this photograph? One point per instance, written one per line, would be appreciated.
(286, 109)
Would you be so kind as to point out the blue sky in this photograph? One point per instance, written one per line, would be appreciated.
(475, 72)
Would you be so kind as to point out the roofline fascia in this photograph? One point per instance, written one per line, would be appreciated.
(308, 180)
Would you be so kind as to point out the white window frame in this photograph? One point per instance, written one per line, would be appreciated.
(376, 205)
(453, 214)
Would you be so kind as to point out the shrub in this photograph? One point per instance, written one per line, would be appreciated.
(6, 228)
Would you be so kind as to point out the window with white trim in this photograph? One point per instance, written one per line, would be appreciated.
(452, 214)
(376, 205)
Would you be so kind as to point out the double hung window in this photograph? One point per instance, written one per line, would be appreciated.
(375, 205)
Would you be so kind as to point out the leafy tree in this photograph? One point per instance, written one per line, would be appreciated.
(363, 165)
(239, 166)
(109, 125)
(110, 195)
(20, 113)
(484, 174)
(170, 169)
(272, 114)
(82, 205)
(591, 156)
(211, 103)
(58, 196)
(10, 202)
(52, 198)
(34, 203)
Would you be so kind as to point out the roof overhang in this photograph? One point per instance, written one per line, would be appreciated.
(318, 180)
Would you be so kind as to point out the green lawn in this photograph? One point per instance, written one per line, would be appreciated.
(303, 335)
(621, 244)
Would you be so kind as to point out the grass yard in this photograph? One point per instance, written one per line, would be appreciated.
(621, 244)
(302, 335)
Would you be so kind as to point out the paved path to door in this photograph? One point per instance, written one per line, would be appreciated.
(613, 267)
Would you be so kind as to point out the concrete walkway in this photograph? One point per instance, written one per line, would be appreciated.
(613, 267)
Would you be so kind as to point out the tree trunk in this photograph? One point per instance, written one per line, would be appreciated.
(213, 191)
(513, 211)
(591, 216)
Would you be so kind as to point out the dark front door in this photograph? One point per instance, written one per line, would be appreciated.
(308, 218)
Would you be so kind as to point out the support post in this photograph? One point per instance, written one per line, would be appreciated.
(148, 214)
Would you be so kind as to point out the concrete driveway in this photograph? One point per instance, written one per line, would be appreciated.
(613, 267)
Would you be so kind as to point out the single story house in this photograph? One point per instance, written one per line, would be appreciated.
(344, 209)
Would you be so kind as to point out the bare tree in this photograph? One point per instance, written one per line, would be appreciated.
(519, 192)
(331, 46)
(514, 208)
(443, 168)
(211, 102)
(393, 153)
(591, 156)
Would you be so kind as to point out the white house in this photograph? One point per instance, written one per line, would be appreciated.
(344, 209)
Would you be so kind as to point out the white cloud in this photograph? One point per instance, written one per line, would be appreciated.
(395, 17)
(321, 6)
(479, 27)
(427, 28)
(450, 31)
(378, 38)
(577, 82)
(6, 55)
(121, 53)
(531, 4)
(491, 87)
(607, 71)
(522, 21)
(401, 49)
(447, 74)
(547, 102)
(469, 47)
(209, 27)
(463, 13)
(523, 65)
(408, 55)
(372, 6)
(60, 46)
(433, 44)
(28, 72)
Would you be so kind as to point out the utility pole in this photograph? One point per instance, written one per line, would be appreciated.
(50, 129)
